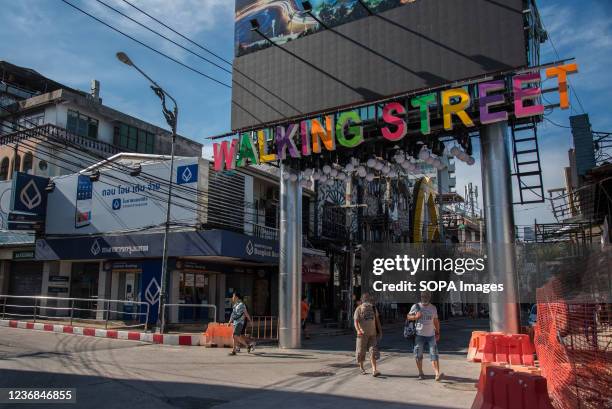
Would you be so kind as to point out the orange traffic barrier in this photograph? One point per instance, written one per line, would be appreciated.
(497, 347)
(503, 388)
(501, 348)
(474, 350)
(488, 347)
(535, 391)
(492, 388)
(218, 335)
(527, 349)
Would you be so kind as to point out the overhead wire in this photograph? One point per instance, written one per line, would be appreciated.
(160, 195)
(151, 48)
(552, 43)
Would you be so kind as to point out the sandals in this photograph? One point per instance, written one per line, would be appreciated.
(363, 372)
(251, 348)
(421, 377)
(376, 374)
(439, 376)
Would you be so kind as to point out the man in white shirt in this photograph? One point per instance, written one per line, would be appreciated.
(427, 332)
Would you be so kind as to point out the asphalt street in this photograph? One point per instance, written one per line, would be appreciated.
(118, 374)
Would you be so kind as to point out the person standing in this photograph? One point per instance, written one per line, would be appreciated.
(427, 332)
(367, 325)
(238, 319)
(305, 309)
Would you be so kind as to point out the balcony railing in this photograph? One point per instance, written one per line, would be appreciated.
(59, 135)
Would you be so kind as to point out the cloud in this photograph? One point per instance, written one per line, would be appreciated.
(189, 17)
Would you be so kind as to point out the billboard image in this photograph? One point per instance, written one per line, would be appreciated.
(405, 46)
(83, 201)
(286, 20)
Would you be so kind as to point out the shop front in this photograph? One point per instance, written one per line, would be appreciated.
(20, 274)
(204, 268)
(316, 279)
(199, 288)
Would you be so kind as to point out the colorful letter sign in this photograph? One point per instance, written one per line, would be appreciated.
(347, 128)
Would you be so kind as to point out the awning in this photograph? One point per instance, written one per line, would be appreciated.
(214, 243)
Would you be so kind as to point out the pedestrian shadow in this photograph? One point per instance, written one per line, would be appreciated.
(458, 379)
(280, 355)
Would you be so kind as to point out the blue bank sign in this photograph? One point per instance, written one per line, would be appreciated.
(213, 243)
(29, 194)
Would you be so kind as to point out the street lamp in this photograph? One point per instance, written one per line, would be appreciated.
(171, 118)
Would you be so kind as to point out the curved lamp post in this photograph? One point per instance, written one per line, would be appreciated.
(171, 118)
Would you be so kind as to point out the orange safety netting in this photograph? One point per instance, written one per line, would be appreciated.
(573, 340)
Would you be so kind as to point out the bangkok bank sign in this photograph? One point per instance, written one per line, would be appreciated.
(314, 135)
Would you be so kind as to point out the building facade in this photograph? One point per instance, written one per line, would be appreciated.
(48, 129)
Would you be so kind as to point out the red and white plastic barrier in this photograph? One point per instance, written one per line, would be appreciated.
(503, 388)
(490, 347)
(167, 339)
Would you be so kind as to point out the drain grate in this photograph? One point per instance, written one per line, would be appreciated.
(316, 374)
(193, 402)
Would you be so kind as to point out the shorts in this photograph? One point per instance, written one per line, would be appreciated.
(238, 326)
(367, 343)
(419, 345)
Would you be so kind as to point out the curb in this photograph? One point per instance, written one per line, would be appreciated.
(166, 339)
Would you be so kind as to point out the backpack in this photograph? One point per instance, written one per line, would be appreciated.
(410, 326)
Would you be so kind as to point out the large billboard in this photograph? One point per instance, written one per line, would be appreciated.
(120, 202)
(410, 47)
(285, 20)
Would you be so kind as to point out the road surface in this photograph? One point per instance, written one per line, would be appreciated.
(126, 374)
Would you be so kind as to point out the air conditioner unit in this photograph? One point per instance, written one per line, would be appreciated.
(273, 194)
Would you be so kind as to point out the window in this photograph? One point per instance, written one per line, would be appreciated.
(32, 120)
(17, 163)
(4, 169)
(134, 139)
(28, 160)
(82, 125)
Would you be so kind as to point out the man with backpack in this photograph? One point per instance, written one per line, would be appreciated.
(427, 331)
(367, 325)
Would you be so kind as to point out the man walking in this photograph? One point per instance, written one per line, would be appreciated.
(238, 319)
(367, 325)
(427, 332)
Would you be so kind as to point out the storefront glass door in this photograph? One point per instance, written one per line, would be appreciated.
(193, 289)
(84, 284)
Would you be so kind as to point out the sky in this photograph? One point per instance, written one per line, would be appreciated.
(61, 43)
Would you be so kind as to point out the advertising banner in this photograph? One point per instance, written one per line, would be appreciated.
(286, 20)
(117, 201)
(315, 266)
